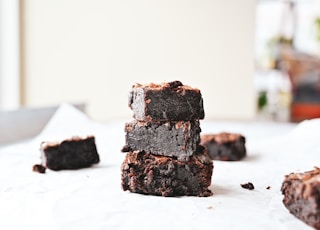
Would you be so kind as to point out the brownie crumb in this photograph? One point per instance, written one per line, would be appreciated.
(248, 185)
(175, 84)
(125, 149)
(39, 169)
(210, 207)
(268, 187)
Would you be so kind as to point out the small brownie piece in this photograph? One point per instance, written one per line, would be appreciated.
(170, 101)
(302, 196)
(39, 168)
(172, 138)
(166, 176)
(72, 153)
(225, 146)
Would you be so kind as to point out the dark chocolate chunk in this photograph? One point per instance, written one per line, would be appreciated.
(175, 84)
(225, 146)
(302, 196)
(73, 153)
(170, 101)
(166, 176)
(248, 185)
(175, 138)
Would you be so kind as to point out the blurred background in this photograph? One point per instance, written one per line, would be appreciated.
(287, 64)
(251, 59)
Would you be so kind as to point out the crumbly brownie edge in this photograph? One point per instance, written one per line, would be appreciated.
(302, 197)
(170, 85)
(166, 176)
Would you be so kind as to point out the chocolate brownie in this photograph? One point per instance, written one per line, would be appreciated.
(166, 176)
(302, 196)
(72, 153)
(170, 101)
(172, 138)
(225, 146)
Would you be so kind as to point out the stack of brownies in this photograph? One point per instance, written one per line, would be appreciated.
(164, 156)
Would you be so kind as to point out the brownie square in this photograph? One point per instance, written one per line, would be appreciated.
(166, 176)
(174, 138)
(225, 146)
(170, 101)
(72, 153)
(302, 196)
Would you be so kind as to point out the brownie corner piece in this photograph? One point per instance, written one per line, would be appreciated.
(302, 196)
(169, 101)
(225, 146)
(73, 153)
(166, 176)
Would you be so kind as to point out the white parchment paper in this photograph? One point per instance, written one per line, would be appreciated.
(92, 198)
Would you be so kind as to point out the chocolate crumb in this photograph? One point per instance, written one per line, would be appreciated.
(39, 169)
(210, 207)
(126, 149)
(248, 185)
(175, 84)
(268, 187)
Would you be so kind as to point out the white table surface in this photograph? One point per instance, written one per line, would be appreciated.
(92, 198)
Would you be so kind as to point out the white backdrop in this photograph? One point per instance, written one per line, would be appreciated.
(9, 54)
(93, 51)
